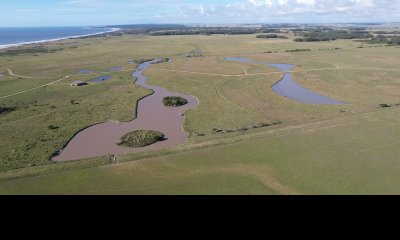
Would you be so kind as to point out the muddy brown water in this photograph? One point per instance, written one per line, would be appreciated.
(289, 88)
(102, 139)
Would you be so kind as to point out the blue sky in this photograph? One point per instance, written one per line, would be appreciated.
(106, 12)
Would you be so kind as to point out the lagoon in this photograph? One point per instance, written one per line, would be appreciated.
(289, 88)
(102, 139)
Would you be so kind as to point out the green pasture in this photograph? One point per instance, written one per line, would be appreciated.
(347, 149)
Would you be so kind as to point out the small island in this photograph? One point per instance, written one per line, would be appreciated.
(174, 101)
(141, 138)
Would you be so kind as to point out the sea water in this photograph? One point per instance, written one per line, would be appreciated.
(25, 35)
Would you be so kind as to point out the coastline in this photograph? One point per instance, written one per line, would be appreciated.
(55, 39)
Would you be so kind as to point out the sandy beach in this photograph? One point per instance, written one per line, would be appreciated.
(55, 39)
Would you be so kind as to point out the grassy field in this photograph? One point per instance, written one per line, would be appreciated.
(26, 138)
(335, 158)
(355, 153)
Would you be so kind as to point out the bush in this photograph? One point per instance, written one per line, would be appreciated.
(298, 50)
(6, 109)
(194, 53)
(330, 35)
(271, 36)
(199, 134)
(384, 105)
(24, 51)
(243, 129)
(141, 61)
(52, 127)
(174, 101)
(141, 138)
(162, 60)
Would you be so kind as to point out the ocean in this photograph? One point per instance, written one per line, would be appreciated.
(25, 35)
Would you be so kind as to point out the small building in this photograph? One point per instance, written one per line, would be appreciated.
(78, 83)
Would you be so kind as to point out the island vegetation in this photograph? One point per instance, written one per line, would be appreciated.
(174, 101)
(141, 138)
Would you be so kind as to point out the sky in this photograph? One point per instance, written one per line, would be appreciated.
(19, 13)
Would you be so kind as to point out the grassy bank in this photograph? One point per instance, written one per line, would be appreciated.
(329, 159)
(45, 119)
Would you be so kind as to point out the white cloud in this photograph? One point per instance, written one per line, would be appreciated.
(306, 10)
(307, 2)
(237, 11)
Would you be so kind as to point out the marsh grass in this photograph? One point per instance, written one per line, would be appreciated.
(228, 102)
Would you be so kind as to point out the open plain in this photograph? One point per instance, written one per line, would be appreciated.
(243, 138)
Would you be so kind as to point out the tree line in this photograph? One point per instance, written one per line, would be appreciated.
(330, 35)
(272, 36)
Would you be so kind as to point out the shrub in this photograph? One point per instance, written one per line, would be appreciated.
(271, 36)
(384, 105)
(174, 101)
(298, 50)
(52, 127)
(141, 138)
(6, 109)
(141, 61)
(199, 134)
(23, 51)
(330, 35)
(162, 60)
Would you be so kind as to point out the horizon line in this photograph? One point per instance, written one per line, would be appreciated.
(216, 23)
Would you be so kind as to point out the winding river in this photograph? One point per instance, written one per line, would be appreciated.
(287, 87)
(101, 139)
